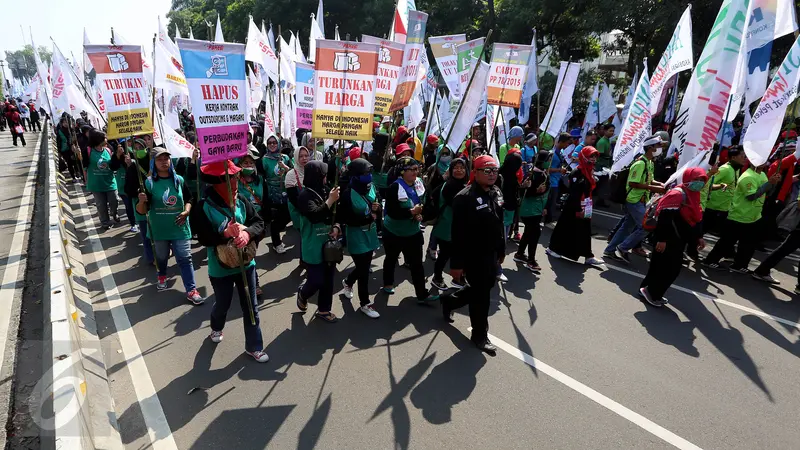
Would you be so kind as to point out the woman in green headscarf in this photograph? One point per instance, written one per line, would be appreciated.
(276, 165)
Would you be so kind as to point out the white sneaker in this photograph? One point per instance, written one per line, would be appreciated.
(134, 229)
(502, 277)
(280, 248)
(594, 262)
(259, 356)
(369, 311)
(552, 253)
(348, 290)
(216, 336)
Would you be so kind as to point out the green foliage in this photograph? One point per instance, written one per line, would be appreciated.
(23, 64)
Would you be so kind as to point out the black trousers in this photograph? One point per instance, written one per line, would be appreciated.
(16, 136)
(72, 164)
(530, 239)
(34, 124)
(476, 295)
(360, 275)
(664, 269)
(280, 218)
(411, 248)
(319, 278)
(789, 245)
(713, 221)
(445, 250)
(745, 234)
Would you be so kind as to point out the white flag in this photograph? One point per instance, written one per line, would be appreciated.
(168, 73)
(164, 39)
(320, 20)
(637, 126)
(218, 32)
(471, 101)
(177, 33)
(336, 34)
(287, 63)
(178, 146)
(531, 86)
(270, 35)
(606, 102)
(769, 20)
(562, 99)
(315, 33)
(765, 127)
(592, 111)
(298, 50)
(676, 58)
(259, 51)
(191, 35)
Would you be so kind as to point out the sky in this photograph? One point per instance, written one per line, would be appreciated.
(64, 21)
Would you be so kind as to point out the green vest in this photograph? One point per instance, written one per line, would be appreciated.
(443, 230)
(258, 190)
(313, 236)
(217, 218)
(742, 209)
(166, 203)
(362, 239)
(380, 180)
(403, 227)
(273, 179)
(720, 200)
(532, 206)
(100, 177)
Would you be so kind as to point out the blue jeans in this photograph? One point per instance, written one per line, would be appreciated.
(630, 232)
(128, 209)
(183, 255)
(148, 248)
(223, 296)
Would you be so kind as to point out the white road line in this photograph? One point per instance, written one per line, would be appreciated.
(14, 261)
(720, 301)
(157, 425)
(634, 417)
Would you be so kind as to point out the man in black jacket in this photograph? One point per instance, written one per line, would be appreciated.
(478, 247)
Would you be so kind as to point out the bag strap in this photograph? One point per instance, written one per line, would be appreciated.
(252, 192)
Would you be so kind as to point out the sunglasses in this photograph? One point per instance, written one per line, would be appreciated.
(489, 171)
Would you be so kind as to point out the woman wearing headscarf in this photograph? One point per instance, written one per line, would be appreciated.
(402, 233)
(679, 218)
(276, 166)
(222, 227)
(119, 164)
(140, 162)
(294, 182)
(572, 237)
(315, 205)
(359, 207)
(442, 231)
(100, 179)
(511, 177)
(15, 124)
(434, 178)
(380, 170)
(251, 186)
(532, 209)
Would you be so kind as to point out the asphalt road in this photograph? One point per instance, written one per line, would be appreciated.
(583, 363)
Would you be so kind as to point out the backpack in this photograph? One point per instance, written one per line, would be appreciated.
(619, 184)
(650, 219)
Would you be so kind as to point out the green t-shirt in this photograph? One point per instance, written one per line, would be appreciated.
(504, 151)
(641, 172)
(166, 202)
(217, 219)
(252, 190)
(604, 146)
(742, 209)
(720, 200)
(100, 178)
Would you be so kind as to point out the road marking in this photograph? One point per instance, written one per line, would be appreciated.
(716, 300)
(12, 268)
(152, 412)
(632, 416)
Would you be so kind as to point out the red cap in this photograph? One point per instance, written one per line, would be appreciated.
(376, 125)
(217, 169)
(484, 161)
(354, 153)
(401, 148)
(401, 130)
(432, 139)
(469, 145)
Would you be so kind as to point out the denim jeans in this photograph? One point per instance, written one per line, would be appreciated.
(183, 255)
(630, 232)
(128, 209)
(223, 296)
(148, 248)
(106, 203)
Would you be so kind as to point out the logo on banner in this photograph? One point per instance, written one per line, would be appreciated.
(219, 66)
(176, 63)
(117, 62)
(347, 61)
(384, 55)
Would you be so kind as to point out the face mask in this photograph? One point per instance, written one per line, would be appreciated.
(446, 159)
(248, 170)
(141, 154)
(696, 186)
(657, 153)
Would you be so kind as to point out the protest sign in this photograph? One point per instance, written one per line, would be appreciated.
(390, 59)
(444, 52)
(466, 53)
(507, 75)
(215, 74)
(676, 58)
(637, 125)
(414, 46)
(121, 82)
(344, 90)
(304, 91)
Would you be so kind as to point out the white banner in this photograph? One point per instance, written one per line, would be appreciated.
(259, 51)
(178, 146)
(444, 52)
(765, 127)
(676, 58)
(562, 99)
(531, 86)
(637, 126)
(471, 101)
(769, 20)
(168, 71)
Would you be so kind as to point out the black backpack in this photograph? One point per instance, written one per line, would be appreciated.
(618, 184)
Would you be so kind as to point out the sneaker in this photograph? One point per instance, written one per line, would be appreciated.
(517, 237)
(640, 252)
(134, 229)
(501, 277)
(439, 284)
(594, 262)
(458, 284)
(216, 337)
(743, 271)
(623, 255)
(280, 248)
(522, 259)
(116, 218)
(162, 283)
(433, 253)
(649, 298)
(369, 311)
(194, 297)
(428, 299)
(533, 266)
(348, 290)
(552, 253)
(388, 290)
(611, 255)
(766, 278)
(259, 356)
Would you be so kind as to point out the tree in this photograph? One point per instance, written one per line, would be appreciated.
(22, 62)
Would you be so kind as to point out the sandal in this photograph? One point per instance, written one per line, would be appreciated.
(327, 316)
(302, 305)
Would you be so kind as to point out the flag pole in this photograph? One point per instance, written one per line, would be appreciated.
(278, 44)
(232, 206)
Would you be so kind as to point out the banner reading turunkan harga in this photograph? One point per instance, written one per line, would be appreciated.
(444, 52)
(507, 75)
(415, 45)
(344, 91)
(215, 74)
(304, 92)
(119, 75)
(765, 125)
(676, 58)
(390, 59)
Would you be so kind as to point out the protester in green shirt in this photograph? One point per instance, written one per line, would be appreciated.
(604, 146)
(514, 139)
(100, 180)
(640, 185)
(442, 231)
(742, 225)
(721, 186)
